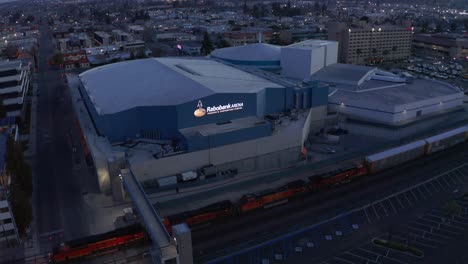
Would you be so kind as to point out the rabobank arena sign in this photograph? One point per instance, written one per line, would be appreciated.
(210, 110)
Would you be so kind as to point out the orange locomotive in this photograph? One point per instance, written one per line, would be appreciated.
(83, 247)
(265, 199)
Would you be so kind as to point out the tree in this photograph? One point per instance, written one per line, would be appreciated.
(452, 208)
(439, 27)
(22, 210)
(207, 46)
(453, 26)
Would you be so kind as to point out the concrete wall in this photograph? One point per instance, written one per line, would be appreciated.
(229, 155)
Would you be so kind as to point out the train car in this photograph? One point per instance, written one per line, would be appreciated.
(80, 248)
(395, 156)
(446, 140)
(207, 214)
(272, 197)
(337, 177)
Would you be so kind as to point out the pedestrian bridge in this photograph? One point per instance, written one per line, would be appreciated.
(164, 248)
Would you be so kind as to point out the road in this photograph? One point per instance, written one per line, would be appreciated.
(58, 201)
(260, 226)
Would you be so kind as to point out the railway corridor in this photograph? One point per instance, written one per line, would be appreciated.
(429, 223)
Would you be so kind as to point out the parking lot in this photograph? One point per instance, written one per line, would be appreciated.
(429, 230)
(435, 228)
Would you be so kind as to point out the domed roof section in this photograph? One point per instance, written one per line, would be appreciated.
(253, 54)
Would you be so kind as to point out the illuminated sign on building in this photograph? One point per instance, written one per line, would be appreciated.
(200, 112)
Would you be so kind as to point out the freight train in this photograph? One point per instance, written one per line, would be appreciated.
(369, 165)
(81, 248)
(77, 249)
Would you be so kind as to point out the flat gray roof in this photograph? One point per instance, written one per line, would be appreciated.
(385, 96)
(342, 73)
(164, 81)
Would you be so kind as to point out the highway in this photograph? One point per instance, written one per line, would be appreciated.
(58, 203)
(261, 226)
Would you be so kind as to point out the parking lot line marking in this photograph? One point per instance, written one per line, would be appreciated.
(456, 175)
(406, 196)
(414, 221)
(390, 201)
(399, 202)
(343, 260)
(368, 219)
(443, 178)
(427, 189)
(357, 256)
(435, 222)
(449, 177)
(439, 182)
(452, 220)
(412, 193)
(414, 228)
(453, 226)
(370, 252)
(422, 194)
(434, 186)
(383, 207)
(446, 216)
(422, 244)
(421, 237)
(449, 231)
(375, 211)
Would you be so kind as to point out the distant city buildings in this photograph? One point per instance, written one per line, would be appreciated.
(370, 44)
(447, 45)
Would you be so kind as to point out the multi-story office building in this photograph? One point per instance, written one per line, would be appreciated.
(8, 232)
(14, 84)
(370, 44)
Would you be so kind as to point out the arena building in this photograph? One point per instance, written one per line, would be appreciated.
(167, 116)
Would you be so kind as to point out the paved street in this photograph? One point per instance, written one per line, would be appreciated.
(58, 195)
(384, 199)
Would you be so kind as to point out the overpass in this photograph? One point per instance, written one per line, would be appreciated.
(164, 248)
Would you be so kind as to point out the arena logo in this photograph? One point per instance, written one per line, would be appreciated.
(200, 112)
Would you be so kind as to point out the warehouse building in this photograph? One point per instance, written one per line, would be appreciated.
(167, 116)
(377, 96)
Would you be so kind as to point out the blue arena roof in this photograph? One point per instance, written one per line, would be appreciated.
(163, 82)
